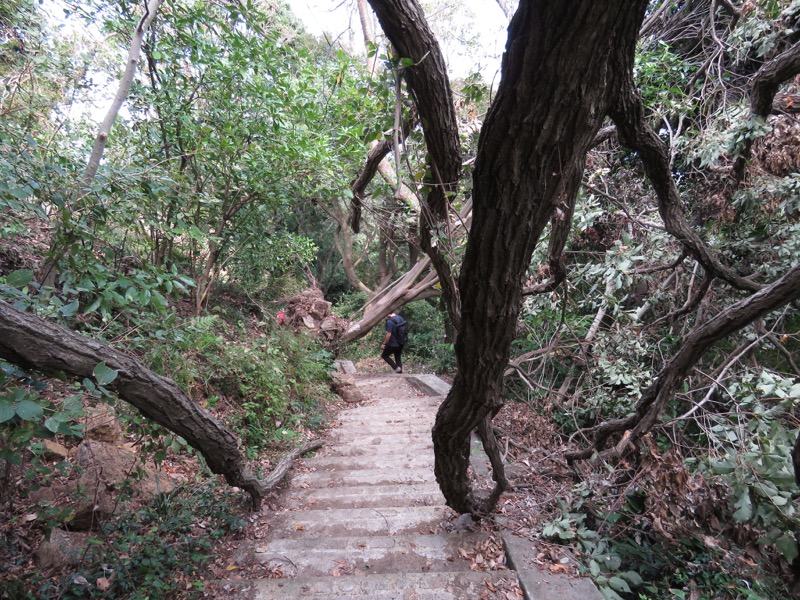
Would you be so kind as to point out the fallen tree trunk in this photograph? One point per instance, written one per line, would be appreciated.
(33, 342)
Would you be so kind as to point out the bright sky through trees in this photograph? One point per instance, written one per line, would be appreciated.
(473, 32)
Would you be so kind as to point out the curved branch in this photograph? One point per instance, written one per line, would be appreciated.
(32, 342)
(560, 226)
(371, 166)
(692, 301)
(726, 322)
(766, 83)
(635, 133)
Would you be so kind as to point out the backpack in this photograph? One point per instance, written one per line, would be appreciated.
(400, 330)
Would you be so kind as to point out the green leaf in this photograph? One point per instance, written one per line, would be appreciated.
(7, 411)
(28, 410)
(594, 568)
(744, 508)
(104, 375)
(723, 467)
(158, 301)
(787, 546)
(610, 594)
(92, 307)
(632, 577)
(19, 278)
(70, 309)
(52, 424)
(618, 584)
(612, 562)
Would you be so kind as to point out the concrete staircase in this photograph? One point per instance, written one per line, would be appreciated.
(365, 518)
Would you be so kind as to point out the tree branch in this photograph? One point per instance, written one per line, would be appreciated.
(374, 158)
(122, 92)
(635, 133)
(765, 85)
(726, 322)
(32, 342)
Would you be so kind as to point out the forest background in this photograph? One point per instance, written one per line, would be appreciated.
(251, 161)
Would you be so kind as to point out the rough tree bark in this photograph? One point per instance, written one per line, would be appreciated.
(764, 86)
(404, 24)
(563, 65)
(33, 342)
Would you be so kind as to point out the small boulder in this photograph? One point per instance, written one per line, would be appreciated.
(91, 498)
(54, 451)
(102, 425)
(63, 549)
(113, 465)
(345, 366)
(345, 386)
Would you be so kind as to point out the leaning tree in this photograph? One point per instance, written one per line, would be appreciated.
(567, 67)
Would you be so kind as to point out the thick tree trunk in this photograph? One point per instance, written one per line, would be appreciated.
(33, 342)
(562, 68)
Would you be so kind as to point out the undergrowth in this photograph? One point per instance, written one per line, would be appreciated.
(157, 551)
(268, 384)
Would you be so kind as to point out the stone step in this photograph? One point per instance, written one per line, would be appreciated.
(466, 585)
(380, 446)
(430, 385)
(408, 416)
(345, 522)
(387, 414)
(404, 460)
(364, 477)
(409, 407)
(427, 494)
(412, 407)
(438, 553)
(367, 434)
(355, 438)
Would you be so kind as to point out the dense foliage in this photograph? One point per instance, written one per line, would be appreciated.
(227, 184)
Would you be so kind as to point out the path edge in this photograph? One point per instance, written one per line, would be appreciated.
(536, 583)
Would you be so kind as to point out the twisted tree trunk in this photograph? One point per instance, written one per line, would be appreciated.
(404, 24)
(563, 67)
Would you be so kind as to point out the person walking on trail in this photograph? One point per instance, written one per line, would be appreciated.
(394, 340)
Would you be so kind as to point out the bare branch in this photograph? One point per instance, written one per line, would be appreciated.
(122, 92)
(635, 133)
(726, 322)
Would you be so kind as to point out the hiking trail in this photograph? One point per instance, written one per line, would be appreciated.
(364, 518)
